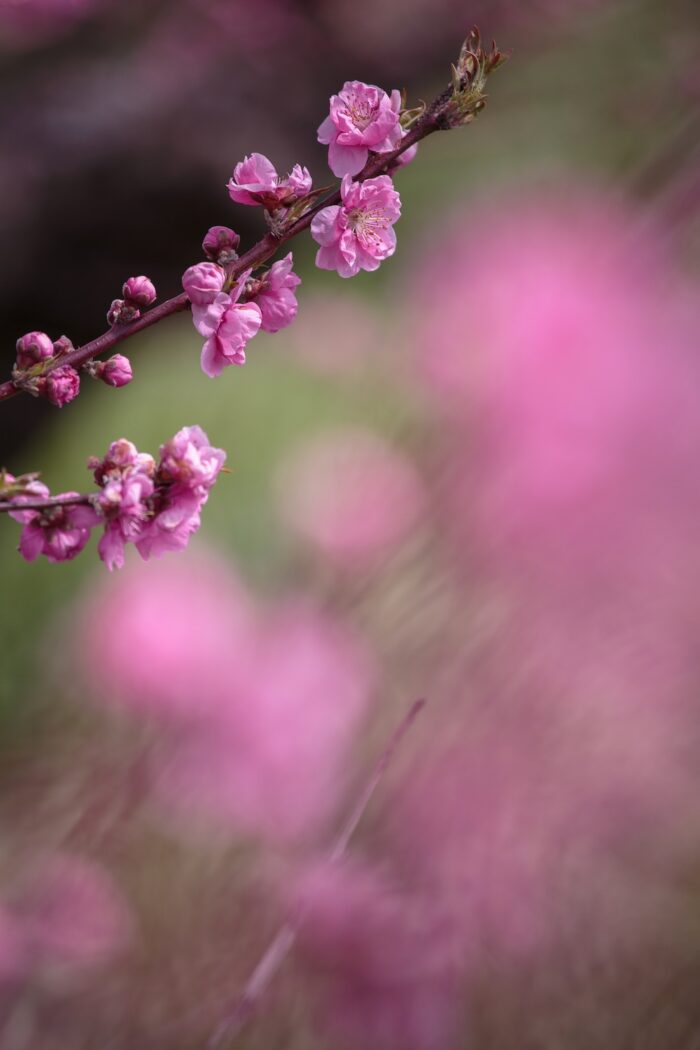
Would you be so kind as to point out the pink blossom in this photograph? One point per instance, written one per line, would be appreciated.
(227, 326)
(188, 469)
(116, 371)
(188, 459)
(71, 915)
(123, 502)
(255, 181)
(358, 234)
(139, 290)
(121, 456)
(275, 296)
(188, 630)
(362, 118)
(33, 348)
(62, 385)
(298, 691)
(203, 282)
(59, 533)
(220, 244)
(351, 494)
(384, 960)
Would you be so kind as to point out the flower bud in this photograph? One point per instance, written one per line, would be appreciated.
(203, 282)
(116, 371)
(139, 291)
(61, 386)
(221, 244)
(62, 346)
(33, 348)
(121, 312)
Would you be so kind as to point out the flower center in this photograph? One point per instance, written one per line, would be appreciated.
(361, 113)
(367, 224)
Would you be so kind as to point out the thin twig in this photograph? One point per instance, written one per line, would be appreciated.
(44, 504)
(281, 944)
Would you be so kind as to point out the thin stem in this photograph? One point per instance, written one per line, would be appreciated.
(268, 246)
(283, 941)
(45, 504)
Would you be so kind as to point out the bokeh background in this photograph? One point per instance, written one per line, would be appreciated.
(470, 476)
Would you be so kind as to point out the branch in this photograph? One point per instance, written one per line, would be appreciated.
(432, 120)
(6, 506)
(284, 939)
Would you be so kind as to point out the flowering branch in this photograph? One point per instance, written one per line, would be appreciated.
(459, 104)
(369, 135)
(283, 941)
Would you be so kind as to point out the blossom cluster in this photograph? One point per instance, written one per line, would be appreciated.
(155, 506)
(230, 307)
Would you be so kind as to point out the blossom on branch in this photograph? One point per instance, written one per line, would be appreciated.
(255, 181)
(274, 293)
(358, 234)
(362, 118)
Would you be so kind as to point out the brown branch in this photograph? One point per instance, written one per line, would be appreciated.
(44, 504)
(283, 941)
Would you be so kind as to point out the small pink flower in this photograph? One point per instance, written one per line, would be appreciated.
(362, 118)
(116, 371)
(188, 459)
(122, 455)
(62, 385)
(189, 467)
(227, 326)
(358, 234)
(123, 502)
(274, 294)
(255, 181)
(33, 348)
(203, 283)
(59, 533)
(221, 244)
(139, 291)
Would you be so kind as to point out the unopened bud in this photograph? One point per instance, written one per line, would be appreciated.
(121, 312)
(33, 348)
(221, 244)
(139, 291)
(62, 346)
(61, 386)
(116, 371)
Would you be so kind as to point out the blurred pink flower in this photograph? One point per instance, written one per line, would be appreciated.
(359, 233)
(72, 916)
(306, 690)
(168, 641)
(383, 963)
(362, 117)
(350, 494)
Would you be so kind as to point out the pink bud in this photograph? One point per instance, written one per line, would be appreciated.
(121, 312)
(62, 385)
(203, 283)
(33, 348)
(139, 291)
(62, 345)
(220, 244)
(116, 371)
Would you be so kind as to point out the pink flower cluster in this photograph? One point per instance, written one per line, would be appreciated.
(228, 307)
(155, 506)
(228, 320)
